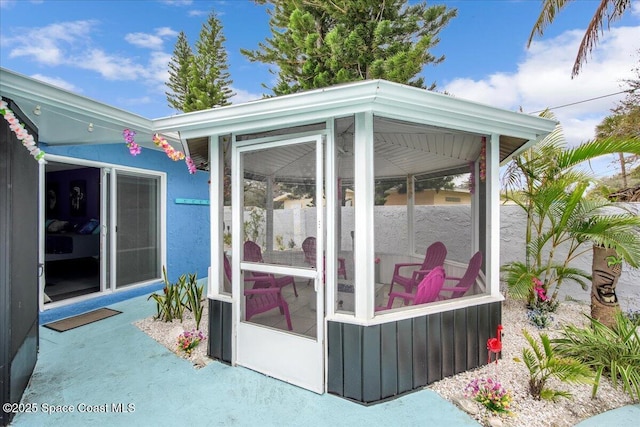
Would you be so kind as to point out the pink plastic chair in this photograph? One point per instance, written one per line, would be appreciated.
(309, 249)
(253, 253)
(260, 300)
(428, 290)
(465, 282)
(435, 256)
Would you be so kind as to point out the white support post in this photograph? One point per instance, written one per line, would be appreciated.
(216, 208)
(411, 202)
(493, 214)
(364, 225)
(269, 207)
(333, 222)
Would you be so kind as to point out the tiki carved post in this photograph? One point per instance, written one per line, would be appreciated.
(606, 272)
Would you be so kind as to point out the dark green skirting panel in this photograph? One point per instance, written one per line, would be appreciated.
(220, 330)
(369, 364)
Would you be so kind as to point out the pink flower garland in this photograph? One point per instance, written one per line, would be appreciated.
(134, 148)
(21, 132)
(159, 141)
(168, 149)
(483, 159)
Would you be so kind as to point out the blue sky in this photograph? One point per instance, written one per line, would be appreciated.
(116, 52)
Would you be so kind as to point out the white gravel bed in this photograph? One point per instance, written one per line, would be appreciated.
(514, 376)
(166, 333)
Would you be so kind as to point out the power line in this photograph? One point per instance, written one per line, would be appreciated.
(585, 100)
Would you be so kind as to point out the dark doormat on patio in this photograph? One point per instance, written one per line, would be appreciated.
(81, 319)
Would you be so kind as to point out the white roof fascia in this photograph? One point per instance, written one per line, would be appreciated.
(16, 85)
(381, 97)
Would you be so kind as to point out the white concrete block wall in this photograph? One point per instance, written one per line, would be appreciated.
(451, 225)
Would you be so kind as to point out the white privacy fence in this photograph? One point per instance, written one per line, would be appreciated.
(448, 224)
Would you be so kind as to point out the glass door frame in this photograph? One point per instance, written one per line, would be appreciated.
(290, 357)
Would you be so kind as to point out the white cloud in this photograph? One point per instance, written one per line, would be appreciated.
(110, 67)
(148, 41)
(177, 2)
(57, 82)
(197, 13)
(242, 96)
(47, 45)
(151, 41)
(543, 79)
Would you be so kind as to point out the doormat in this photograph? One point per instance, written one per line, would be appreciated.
(81, 319)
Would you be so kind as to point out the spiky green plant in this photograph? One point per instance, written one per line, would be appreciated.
(170, 304)
(543, 364)
(194, 298)
(613, 352)
(544, 182)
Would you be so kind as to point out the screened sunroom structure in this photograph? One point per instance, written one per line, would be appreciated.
(302, 219)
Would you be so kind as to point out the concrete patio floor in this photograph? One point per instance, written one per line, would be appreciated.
(111, 373)
(112, 362)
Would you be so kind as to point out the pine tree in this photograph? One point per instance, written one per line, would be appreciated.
(178, 83)
(200, 81)
(209, 79)
(316, 43)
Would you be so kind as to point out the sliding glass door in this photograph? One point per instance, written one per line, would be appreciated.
(137, 228)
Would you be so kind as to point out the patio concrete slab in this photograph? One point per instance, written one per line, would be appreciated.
(111, 373)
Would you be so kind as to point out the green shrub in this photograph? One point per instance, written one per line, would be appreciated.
(176, 297)
(169, 304)
(194, 298)
(544, 364)
(614, 352)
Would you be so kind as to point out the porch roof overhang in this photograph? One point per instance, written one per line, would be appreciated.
(435, 112)
(64, 117)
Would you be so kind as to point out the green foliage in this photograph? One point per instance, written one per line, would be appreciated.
(317, 43)
(543, 364)
(200, 81)
(292, 243)
(176, 297)
(544, 182)
(614, 352)
(178, 83)
(194, 301)
(254, 225)
(279, 242)
(169, 304)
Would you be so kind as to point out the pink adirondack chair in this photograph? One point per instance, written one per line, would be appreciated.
(466, 281)
(253, 253)
(261, 300)
(435, 256)
(309, 249)
(428, 290)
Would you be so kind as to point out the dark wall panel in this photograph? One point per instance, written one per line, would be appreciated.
(460, 340)
(371, 381)
(220, 323)
(434, 347)
(420, 353)
(405, 355)
(389, 359)
(335, 366)
(448, 333)
(370, 364)
(352, 361)
(19, 269)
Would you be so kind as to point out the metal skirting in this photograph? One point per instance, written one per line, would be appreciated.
(374, 363)
(220, 330)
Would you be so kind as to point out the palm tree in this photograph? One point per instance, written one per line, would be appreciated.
(544, 182)
(609, 9)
